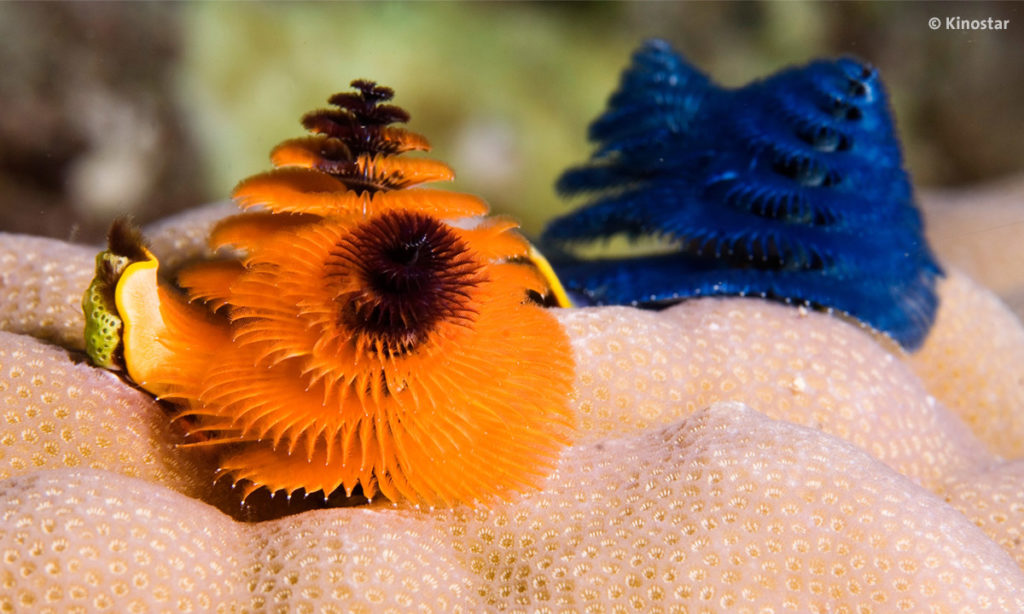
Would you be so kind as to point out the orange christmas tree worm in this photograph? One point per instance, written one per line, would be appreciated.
(374, 334)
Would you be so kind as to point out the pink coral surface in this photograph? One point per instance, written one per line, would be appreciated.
(731, 455)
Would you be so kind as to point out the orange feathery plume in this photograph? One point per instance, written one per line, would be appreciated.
(366, 338)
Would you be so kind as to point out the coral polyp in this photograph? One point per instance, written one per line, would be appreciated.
(374, 335)
(790, 188)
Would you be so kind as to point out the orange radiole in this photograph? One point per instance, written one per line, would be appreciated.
(374, 333)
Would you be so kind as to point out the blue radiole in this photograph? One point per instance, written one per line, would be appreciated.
(790, 188)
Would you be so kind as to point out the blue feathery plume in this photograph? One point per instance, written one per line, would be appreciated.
(790, 188)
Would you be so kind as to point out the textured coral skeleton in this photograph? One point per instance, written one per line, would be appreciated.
(848, 487)
(731, 454)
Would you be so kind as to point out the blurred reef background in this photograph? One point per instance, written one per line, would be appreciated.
(148, 109)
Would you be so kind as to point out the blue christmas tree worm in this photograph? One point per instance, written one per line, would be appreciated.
(790, 188)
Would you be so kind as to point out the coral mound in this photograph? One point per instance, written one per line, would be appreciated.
(726, 510)
(661, 502)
